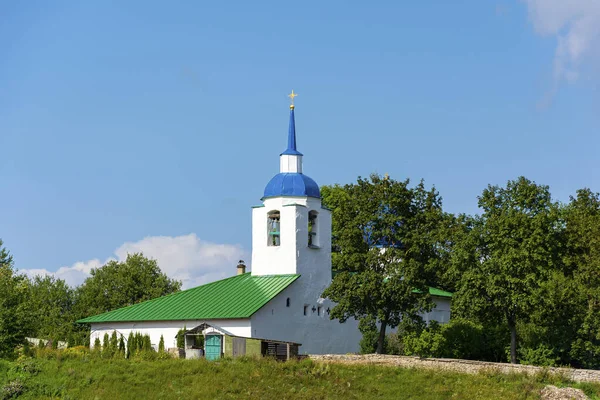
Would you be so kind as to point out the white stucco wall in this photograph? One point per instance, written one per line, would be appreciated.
(292, 256)
(168, 329)
(317, 333)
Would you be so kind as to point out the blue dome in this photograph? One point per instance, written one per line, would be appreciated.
(292, 184)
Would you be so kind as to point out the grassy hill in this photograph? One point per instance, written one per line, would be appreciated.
(96, 378)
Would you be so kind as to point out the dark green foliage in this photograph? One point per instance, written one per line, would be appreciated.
(113, 345)
(181, 338)
(130, 345)
(370, 335)
(15, 310)
(582, 259)
(161, 344)
(120, 284)
(515, 245)
(51, 302)
(97, 345)
(390, 285)
(199, 341)
(146, 343)
(457, 339)
(106, 343)
(121, 346)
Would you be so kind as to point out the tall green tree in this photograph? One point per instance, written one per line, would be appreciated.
(51, 302)
(386, 249)
(582, 260)
(120, 284)
(15, 315)
(510, 250)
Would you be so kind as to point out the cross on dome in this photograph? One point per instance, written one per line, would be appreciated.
(291, 96)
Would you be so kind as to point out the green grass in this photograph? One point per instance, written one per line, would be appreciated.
(95, 378)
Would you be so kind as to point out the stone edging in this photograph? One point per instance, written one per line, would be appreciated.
(465, 366)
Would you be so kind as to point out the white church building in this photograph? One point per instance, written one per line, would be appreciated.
(280, 299)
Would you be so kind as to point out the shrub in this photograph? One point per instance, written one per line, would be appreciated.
(12, 389)
(463, 339)
(370, 335)
(130, 349)
(395, 345)
(105, 343)
(27, 365)
(76, 352)
(542, 356)
(122, 345)
(181, 338)
(114, 343)
(429, 342)
(146, 343)
(161, 344)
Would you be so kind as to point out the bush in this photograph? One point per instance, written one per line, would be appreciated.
(395, 345)
(370, 335)
(429, 342)
(12, 389)
(105, 343)
(181, 338)
(161, 344)
(122, 346)
(457, 339)
(114, 343)
(130, 345)
(542, 356)
(27, 365)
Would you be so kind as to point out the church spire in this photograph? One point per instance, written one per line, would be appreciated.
(291, 148)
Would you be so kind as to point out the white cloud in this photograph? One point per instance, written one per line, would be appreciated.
(576, 26)
(186, 258)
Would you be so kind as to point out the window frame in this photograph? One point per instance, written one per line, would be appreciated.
(274, 228)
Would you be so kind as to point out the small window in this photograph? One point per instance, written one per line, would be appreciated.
(319, 310)
(273, 228)
(287, 302)
(306, 309)
(312, 229)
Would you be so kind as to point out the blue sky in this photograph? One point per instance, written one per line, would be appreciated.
(147, 126)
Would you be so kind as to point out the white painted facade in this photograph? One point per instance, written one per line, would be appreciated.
(168, 329)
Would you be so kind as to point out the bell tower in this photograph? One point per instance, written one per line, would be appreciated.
(291, 231)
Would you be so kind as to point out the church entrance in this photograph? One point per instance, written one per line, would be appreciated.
(212, 347)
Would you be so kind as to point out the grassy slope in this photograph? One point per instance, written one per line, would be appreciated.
(265, 379)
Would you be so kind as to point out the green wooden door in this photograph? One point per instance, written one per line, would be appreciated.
(212, 347)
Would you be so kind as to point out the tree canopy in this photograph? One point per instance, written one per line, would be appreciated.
(515, 246)
(386, 248)
(15, 316)
(119, 284)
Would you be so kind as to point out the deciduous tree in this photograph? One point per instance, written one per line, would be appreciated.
(386, 248)
(119, 284)
(515, 246)
(15, 312)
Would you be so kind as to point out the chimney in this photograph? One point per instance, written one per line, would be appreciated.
(241, 267)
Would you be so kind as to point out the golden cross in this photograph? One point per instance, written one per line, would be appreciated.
(386, 177)
(291, 96)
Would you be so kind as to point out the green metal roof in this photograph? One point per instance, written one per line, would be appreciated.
(236, 297)
(438, 292)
